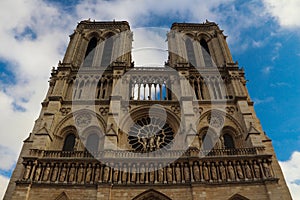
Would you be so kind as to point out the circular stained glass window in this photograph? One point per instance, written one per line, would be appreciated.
(149, 134)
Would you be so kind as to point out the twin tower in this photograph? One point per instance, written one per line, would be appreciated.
(111, 130)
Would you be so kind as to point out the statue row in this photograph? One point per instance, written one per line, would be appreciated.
(140, 173)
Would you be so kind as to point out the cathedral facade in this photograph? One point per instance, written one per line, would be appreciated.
(111, 130)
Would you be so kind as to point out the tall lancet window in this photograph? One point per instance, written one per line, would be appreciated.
(206, 53)
(90, 53)
(190, 51)
(107, 50)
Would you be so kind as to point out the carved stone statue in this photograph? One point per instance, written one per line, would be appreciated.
(142, 173)
(151, 173)
(169, 174)
(205, 172)
(196, 172)
(54, 173)
(27, 172)
(71, 173)
(105, 174)
(124, 174)
(186, 172)
(133, 173)
(231, 172)
(38, 172)
(178, 173)
(213, 169)
(88, 175)
(239, 171)
(222, 171)
(97, 173)
(267, 170)
(63, 173)
(248, 171)
(46, 172)
(160, 173)
(256, 170)
(80, 174)
(116, 173)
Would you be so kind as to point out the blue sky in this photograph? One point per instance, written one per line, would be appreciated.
(263, 36)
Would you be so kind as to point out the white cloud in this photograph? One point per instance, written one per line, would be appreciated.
(285, 12)
(261, 101)
(266, 70)
(291, 169)
(3, 185)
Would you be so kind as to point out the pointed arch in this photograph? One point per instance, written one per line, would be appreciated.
(206, 53)
(228, 141)
(69, 142)
(90, 52)
(189, 46)
(92, 143)
(62, 196)
(107, 50)
(151, 195)
(238, 197)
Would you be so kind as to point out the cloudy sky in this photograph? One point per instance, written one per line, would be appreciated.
(263, 35)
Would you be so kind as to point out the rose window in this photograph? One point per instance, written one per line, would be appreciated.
(149, 134)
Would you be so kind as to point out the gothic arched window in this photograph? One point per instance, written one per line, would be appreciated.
(205, 53)
(69, 142)
(107, 50)
(228, 141)
(90, 52)
(92, 143)
(190, 51)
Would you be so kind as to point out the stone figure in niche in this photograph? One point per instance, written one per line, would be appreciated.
(160, 173)
(256, 170)
(88, 175)
(142, 173)
(178, 173)
(205, 172)
(63, 173)
(248, 170)
(54, 173)
(46, 172)
(151, 173)
(106, 174)
(72, 173)
(116, 173)
(133, 173)
(97, 173)
(124, 174)
(27, 172)
(169, 174)
(222, 171)
(78, 145)
(37, 172)
(186, 172)
(231, 171)
(196, 172)
(213, 172)
(239, 171)
(267, 170)
(80, 174)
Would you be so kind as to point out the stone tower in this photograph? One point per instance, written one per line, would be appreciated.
(111, 130)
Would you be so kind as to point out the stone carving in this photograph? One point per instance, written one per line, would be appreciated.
(231, 173)
(247, 171)
(63, 173)
(160, 173)
(124, 174)
(222, 171)
(133, 173)
(186, 172)
(169, 174)
(80, 174)
(213, 172)
(116, 173)
(230, 110)
(27, 172)
(239, 171)
(97, 174)
(256, 170)
(205, 172)
(267, 170)
(64, 111)
(38, 173)
(72, 173)
(178, 173)
(215, 120)
(88, 176)
(142, 173)
(54, 173)
(103, 111)
(106, 174)
(151, 173)
(46, 172)
(83, 120)
(150, 134)
(196, 172)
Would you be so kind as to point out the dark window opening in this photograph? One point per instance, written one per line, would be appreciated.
(90, 52)
(205, 53)
(69, 142)
(107, 51)
(190, 51)
(228, 141)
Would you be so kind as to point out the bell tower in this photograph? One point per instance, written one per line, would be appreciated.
(111, 130)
